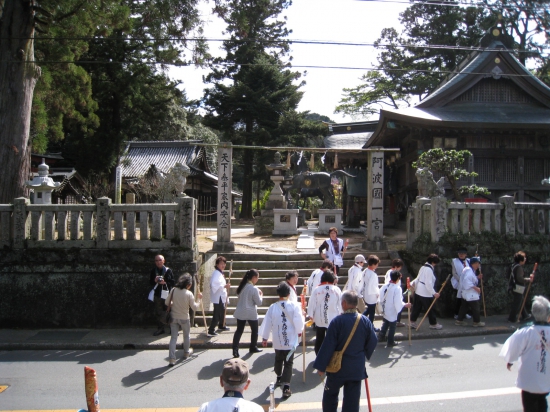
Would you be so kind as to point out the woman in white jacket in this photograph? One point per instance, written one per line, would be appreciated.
(323, 306)
(425, 292)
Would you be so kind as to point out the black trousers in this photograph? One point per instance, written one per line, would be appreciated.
(217, 316)
(516, 306)
(320, 334)
(370, 312)
(534, 402)
(283, 367)
(421, 304)
(239, 332)
(473, 305)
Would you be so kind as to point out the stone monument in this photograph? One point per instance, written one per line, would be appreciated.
(264, 224)
(375, 201)
(223, 241)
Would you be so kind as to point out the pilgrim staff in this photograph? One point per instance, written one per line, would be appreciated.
(409, 302)
(303, 299)
(229, 282)
(368, 393)
(528, 287)
(481, 285)
(202, 308)
(435, 299)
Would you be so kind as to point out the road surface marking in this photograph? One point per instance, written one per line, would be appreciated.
(318, 406)
(3, 388)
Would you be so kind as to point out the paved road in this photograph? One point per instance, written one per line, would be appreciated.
(457, 374)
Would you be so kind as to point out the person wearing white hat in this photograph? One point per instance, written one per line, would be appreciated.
(355, 280)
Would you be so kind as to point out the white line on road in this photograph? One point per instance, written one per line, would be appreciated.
(317, 405)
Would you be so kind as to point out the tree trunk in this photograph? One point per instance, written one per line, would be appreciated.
(18, 75)
(248, 163)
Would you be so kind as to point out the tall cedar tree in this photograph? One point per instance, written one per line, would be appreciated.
(136, 99)
(20, 22)
(406, 75)
(253, 87)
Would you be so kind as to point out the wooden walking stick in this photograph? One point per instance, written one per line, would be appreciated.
(228, 281)
(409, 301)
(527, 293)
(202, 308)
(303, 298)
(481, 284)
(430, 308)
(368, 393)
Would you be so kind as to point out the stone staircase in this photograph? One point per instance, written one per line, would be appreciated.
(273, 267)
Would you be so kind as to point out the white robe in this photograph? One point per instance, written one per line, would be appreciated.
(370, 287)
(392, 301)
(283, 319)
(387, 278)
(526, 345)
(324, 304)
(217, 287)
(468, 280)
(355, 280)
(456, 270)
(314, 280)
(293, 297)
(426, 282)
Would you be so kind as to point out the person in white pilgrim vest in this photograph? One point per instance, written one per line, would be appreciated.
(324, 305)
(284, 320)
(529, 346)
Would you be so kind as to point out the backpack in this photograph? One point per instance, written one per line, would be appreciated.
(511, 277)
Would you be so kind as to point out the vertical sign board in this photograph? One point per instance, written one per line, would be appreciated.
(118, 185)
(375, 196)
(225, 184)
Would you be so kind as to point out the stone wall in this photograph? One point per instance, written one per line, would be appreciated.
(82, 288)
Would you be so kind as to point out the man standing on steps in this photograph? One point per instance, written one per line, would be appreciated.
(218, 296)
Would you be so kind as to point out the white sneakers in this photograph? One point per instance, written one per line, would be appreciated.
(436, 326)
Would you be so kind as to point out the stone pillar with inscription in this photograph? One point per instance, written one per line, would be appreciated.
(223, 242)
(375, 201)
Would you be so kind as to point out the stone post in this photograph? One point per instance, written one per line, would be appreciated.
(419, 215)
(103, 222)
(375, 201)
(508, 215)
(21, 227)
(438, 217)
(186, 221)
(223, 241)
(118, 185)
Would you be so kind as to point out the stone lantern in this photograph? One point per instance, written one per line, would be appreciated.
(42, 185)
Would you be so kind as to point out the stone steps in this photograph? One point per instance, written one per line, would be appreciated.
(273, 267)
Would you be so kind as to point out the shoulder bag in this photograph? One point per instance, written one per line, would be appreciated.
(335, 362)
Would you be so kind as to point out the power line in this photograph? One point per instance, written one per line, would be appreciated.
(462, 4)
(288, 42)
(283, 66)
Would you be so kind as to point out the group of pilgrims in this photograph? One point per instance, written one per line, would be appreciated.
(322, 301)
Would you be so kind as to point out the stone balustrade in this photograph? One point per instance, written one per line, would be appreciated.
(438, 216)
(102, 225)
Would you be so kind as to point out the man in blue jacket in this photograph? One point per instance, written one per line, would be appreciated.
(361, 347)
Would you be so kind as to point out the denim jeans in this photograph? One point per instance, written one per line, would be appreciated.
(174, 330)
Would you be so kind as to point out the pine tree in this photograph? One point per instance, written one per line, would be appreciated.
(252, 86)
